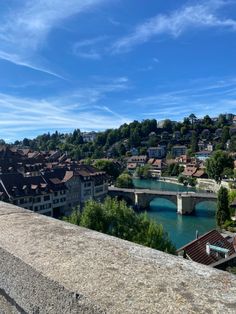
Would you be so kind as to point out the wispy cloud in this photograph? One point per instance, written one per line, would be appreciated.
(203, 15)
(212, 96)
(23, 32)
(85, 49)
(81, 108)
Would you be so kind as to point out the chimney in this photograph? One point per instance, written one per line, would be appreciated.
(197, 234)
(208, 250)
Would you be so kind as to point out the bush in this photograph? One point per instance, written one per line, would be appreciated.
(124, 181)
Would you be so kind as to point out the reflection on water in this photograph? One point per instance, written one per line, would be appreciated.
(181, 229)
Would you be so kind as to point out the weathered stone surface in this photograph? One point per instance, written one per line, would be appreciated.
(6, 307)
(48, 266)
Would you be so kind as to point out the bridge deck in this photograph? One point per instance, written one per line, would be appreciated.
(167, 193)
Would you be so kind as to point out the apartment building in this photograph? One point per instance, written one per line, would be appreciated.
(157, 152)
(33, 193)
(179, 150)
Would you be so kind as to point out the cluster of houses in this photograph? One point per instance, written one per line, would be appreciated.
(156, 158)
(48, 182)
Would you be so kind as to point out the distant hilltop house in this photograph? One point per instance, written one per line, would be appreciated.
(212, 249)
(89, 136)
(134, 151)
(234, 120)
(157, 152)
(205, 146)
(203, 155)
(179, 150)
(177, 135)
(138, 160)
(193, 170)
(157, 166)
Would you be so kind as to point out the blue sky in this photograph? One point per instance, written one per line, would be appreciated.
(95, 64)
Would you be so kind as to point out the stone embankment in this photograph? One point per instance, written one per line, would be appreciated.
(49, 266)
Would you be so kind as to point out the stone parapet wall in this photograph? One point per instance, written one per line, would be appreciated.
(208, 185)
(49, 266)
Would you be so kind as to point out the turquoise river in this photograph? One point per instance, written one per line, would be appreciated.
(181, 229)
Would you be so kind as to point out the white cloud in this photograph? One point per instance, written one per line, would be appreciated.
(204, 15)
(24, 30)
(83, 48)
(83, 108)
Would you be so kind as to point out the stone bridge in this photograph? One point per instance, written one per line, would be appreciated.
(141, 198)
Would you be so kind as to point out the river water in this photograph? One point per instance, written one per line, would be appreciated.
(181, 229)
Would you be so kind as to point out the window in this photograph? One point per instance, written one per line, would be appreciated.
(99, 190)
(46, 198)
(22, 201)
(87, 192)
(37, 199)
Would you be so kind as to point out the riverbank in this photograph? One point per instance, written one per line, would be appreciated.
(171, 180)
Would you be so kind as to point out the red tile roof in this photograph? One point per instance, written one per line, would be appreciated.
(199, 173)
(196, 250)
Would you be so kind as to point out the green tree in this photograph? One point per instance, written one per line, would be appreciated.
(207, 121)
(121, 149)
(74, 217)
(115, 218)
(216, 165)
(94, 217)
(143, 171)
(232, 144)
(168, 126)
(223, 212)
(135, 138)
(221, 121)
(111, 168)
(124, 181)
(193, 119)
(225, 135)
(194, 142)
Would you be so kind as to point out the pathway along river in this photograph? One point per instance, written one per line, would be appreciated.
(181, 229)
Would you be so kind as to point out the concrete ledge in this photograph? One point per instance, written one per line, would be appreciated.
(48, 266)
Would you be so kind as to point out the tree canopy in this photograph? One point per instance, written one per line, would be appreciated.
(223, 211)
(124, 181)
(115, 218)
(216, 165)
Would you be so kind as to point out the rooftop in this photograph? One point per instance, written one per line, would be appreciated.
(196, 250)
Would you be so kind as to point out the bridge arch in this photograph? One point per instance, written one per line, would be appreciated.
(205, 208)
(128, 197)
(163, 204)
(144, 199)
